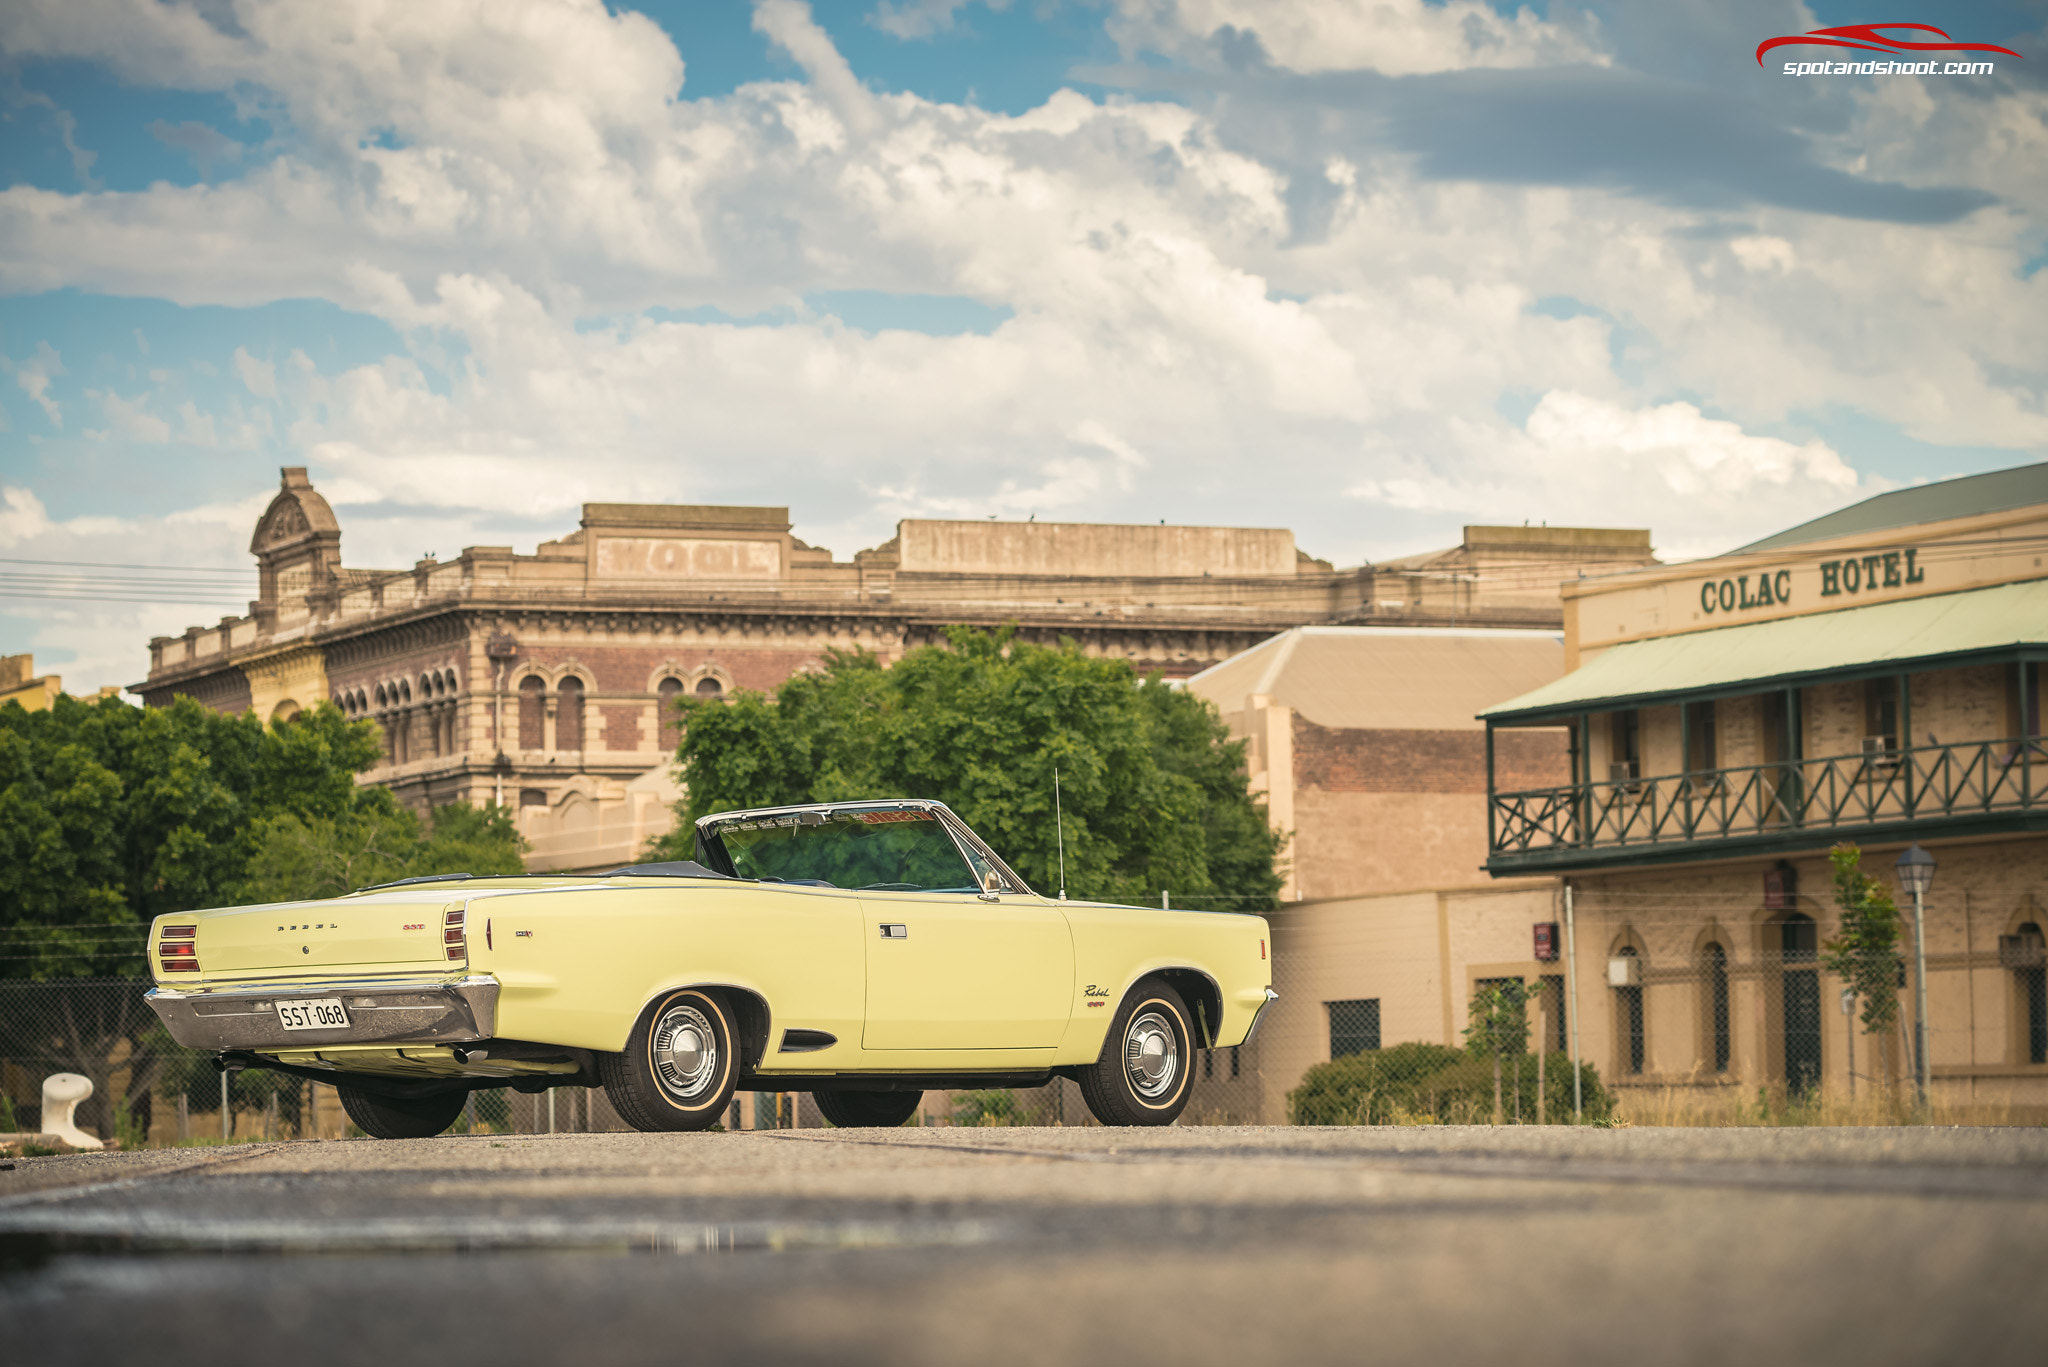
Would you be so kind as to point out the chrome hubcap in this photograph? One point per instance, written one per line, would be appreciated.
(1151, 1055)
(685, 1051)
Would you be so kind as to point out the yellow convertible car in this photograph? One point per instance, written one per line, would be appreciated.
(862, 951)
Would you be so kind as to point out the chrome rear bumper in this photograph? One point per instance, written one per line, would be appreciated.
(1259, 1017)
(380, 1011)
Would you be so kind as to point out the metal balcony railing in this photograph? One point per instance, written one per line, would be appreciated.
(1860, 793)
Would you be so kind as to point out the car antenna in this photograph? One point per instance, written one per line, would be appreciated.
(1059, 830)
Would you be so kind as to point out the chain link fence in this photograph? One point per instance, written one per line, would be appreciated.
(1678, 1013)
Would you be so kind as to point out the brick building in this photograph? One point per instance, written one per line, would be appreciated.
(1366, 745)
(541, 680)
(1873, 676)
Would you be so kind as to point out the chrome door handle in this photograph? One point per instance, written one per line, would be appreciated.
(987, 897)
(895, 931)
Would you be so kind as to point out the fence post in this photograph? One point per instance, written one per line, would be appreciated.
(1571, 979)
(227, 1124)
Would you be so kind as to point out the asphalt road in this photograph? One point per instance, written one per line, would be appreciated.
(1183, 1246)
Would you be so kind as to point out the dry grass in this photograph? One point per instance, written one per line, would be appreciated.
(1821, 1106)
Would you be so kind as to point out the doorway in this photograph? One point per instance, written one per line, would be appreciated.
(1799, 953)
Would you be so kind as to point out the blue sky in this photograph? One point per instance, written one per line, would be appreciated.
(1366, 270)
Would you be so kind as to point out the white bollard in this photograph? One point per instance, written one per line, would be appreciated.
(61, 1094)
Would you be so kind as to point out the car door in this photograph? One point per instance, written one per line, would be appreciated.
(961, 971)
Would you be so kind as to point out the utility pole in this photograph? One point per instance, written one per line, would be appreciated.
(1571, 979)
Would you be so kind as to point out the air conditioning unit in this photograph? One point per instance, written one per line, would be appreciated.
(1625, 970)
(1621, 772)
(1877, 747)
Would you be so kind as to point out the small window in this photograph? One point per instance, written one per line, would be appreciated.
(531, 725)
(533, 797)
(569, 714)
(1624, 739)
(671, 728)
(708, 687)
(1702, 743)
(1718, 1037)
(1354, 1026)
(2031, 979)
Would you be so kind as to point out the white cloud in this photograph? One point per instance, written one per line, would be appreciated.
(1397, 37)
(260, 377)
(128, 420)
(492, 178)
(21, 516)
(34, 376)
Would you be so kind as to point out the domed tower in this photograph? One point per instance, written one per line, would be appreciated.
(298, 555)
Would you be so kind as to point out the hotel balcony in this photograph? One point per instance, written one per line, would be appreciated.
(1995, 787)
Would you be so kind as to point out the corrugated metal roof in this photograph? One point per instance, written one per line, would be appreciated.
(1386, 678)
(1966, 497)
(1818, 643)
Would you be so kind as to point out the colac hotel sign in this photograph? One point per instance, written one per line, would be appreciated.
(1855, 574)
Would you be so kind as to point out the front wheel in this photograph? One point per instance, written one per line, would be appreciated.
(1142, 1076)
(386, 1117)
(867, 1110)
(678, 1069)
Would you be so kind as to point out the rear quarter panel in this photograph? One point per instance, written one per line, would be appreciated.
(1116, 946)
(576, 967)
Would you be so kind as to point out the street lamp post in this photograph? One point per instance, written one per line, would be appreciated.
(1916, 875)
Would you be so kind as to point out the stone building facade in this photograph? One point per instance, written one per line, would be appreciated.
(543, 681)
(1873, 677)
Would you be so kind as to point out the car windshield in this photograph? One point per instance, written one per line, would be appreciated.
(895, 850)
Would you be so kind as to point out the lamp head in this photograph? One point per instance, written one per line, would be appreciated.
(1916, 870)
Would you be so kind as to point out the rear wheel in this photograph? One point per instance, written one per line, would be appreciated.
(678, 1068)
(385, 1117)
(867, 1110)
(1142, 1077)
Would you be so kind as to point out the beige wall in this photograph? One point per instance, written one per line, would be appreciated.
(1418, 953)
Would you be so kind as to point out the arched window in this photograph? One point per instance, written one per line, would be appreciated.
(708, 687)
(1799, 947)
(670, 730)
(569, 714)
(1714, 984)
(2030, 978)
(1628, 1012)
(532, 727)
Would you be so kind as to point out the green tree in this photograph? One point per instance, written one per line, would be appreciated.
(1866, 954)
(1499, 1015)
(111, 815)
(1153, 790)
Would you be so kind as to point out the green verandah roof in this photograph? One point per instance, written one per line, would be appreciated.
(1861, 639)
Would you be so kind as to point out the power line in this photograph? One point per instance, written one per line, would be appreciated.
(109, 565)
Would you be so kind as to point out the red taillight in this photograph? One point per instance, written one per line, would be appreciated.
(452, 935)
(1262, 949)
(175, 949)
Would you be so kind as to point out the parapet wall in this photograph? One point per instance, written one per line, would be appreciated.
(1092, 550)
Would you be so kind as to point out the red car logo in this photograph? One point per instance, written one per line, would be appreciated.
(1866, 38)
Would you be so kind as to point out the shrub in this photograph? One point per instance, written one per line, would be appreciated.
(1429, 1084)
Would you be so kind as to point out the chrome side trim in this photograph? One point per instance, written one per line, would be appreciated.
(381, 1011)
(1259, 1018)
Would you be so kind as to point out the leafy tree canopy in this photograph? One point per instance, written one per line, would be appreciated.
(1153, 790)
(111, 815)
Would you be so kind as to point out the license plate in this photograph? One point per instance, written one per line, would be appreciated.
(324, 1014)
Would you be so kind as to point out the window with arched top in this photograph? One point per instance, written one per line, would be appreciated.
(1628, 1009)
(1714, 1005)
(1799, 1000)
(2026, 950)
(569, 714)
(708, 687)
(532, 722)
(671, 728)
